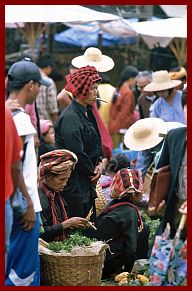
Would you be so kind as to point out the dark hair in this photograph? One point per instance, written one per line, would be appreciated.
(14, 86)
(118, 162)
(45, 61)
(105, 78)
(184, 97)
(72, 67)
(127, 73)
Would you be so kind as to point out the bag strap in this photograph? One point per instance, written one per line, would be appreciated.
(15, 112)
(111, 207)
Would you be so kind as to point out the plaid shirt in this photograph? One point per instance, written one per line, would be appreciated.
(47, 100)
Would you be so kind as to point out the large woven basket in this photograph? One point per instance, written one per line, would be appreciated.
(100, 201)
(66, 270)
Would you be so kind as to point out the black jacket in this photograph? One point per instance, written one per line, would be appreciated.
(75, 132)
(120, 225)
(172, 154)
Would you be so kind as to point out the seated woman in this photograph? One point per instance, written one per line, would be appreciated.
(54, 170)
(121, 225)
(116, 163)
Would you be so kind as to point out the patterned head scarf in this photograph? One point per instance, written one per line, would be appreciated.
(57, 162)
(125, 182)
(80, 82)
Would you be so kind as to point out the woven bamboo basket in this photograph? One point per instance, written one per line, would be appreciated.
(71, 270)
(100, 201)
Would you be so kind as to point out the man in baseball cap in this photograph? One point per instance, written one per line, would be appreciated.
(24, 81)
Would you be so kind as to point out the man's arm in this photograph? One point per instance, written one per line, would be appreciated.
(18, 181)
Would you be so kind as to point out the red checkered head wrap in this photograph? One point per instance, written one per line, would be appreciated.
(80, 82)
(57, 162)
(125, 182)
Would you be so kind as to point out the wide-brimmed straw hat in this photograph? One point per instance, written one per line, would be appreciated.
(94, 57)
(145, 134)
(178, 75)
(161, 81)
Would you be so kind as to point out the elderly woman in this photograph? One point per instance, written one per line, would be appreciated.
(76, 130)
(54, 170)
(121, 225)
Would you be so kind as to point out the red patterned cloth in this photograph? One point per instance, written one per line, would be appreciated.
(50, 195)
(56, 161)
(80, 82)
(126, 181)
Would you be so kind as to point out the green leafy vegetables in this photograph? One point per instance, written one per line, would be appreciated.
(75, 239)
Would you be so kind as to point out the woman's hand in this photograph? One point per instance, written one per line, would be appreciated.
(98, 172)
(76, 222)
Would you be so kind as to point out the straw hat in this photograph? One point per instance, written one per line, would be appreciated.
(178, 75)
(145, 134)
(161, 81)
(94, 57)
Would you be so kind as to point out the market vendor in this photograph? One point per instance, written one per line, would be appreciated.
(54, 171)
(120, 224)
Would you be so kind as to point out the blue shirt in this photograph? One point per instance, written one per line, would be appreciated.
(174, 112)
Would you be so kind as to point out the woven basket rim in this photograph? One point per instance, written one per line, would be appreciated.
(103, 247)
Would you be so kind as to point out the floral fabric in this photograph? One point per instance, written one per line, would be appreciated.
(168, 261)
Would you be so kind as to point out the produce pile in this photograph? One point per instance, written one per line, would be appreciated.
(76, 239)
(131, 279)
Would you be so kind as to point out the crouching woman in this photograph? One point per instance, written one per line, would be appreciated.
(54, 171)
(121, 225)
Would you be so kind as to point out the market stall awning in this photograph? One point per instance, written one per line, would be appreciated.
(55, 13)
(164, 32)
(174, 10)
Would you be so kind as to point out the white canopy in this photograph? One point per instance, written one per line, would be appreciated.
(75, 16)
(161, 31)
(175, 10)
(55, 13)
(164, 32)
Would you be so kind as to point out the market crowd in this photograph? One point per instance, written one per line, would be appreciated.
(59, 146)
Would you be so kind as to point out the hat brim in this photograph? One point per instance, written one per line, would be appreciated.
(106, 64)
(44, 82)
(178, 75)
(154, 87)
(157, 125)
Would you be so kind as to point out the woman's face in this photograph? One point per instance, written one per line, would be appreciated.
(163, 93)
(58, 182)
(92, 95)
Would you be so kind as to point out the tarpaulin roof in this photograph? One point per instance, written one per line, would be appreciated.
(82, 38)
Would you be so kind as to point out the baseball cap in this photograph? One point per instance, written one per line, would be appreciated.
(24, 71)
